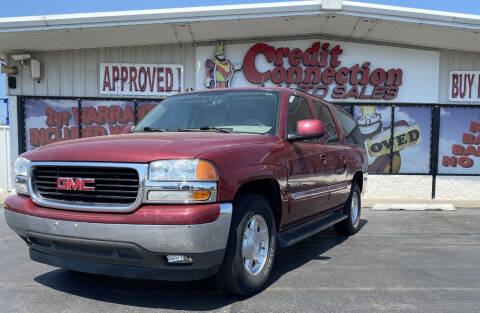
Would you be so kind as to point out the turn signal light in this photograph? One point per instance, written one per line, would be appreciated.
(206, 171)
(201, 195)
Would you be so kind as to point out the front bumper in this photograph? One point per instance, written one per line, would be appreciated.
(127, 250)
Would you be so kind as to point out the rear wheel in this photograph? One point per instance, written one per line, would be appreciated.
(353, 209)
(251, 247)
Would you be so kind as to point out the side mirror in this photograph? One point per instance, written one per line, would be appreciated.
(308, 129)
(127, 129)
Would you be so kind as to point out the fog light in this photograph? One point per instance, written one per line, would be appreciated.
(179, 259)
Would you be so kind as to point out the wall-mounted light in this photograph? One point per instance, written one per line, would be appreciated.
(26, 60)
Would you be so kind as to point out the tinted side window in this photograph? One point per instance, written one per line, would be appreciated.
(350, 130)
(324, 115)
(298, 110)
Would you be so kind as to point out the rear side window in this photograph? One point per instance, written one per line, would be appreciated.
(350, 130)
(298, 110)
(324, 115)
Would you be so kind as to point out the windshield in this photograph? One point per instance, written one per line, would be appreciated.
(238, 111)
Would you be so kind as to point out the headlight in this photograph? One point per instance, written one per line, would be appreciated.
(182, 170)
(21, 167)
(21, 173)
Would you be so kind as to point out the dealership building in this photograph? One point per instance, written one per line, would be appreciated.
(409, 77)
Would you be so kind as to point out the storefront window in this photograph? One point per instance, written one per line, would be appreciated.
(459, 143)
(412, 129)
(144, 107)
(375, 123)
(49, 120)
(100, 117)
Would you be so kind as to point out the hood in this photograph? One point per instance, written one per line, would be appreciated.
(142, 147)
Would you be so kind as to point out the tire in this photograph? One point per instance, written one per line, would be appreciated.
(233, 276)
(351, 225)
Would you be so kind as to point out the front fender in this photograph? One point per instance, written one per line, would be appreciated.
(231, 182)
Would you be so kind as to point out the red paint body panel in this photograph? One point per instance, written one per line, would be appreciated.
(147, 214)
(239, 158)
(141, 147)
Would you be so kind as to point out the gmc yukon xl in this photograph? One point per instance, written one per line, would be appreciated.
(209, 183)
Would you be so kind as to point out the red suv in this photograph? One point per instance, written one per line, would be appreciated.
(209, 183)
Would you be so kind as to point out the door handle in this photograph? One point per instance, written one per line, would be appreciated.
(323, 158)
(344, 160)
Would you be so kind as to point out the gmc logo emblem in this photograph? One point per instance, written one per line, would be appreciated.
(80, 184)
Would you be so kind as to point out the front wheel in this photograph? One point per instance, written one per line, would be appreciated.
(251, 247)
(353, 208)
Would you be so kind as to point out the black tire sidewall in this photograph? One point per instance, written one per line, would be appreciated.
(249, 206)
(355, 192)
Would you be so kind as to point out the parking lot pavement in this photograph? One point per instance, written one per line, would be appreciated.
(398, 262)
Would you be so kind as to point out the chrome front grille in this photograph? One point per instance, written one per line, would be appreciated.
(115, 187)
(111, 185)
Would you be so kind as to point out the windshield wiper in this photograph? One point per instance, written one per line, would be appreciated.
(223, 130)
(152, 129)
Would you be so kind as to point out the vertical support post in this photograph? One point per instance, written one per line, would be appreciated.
(7, 122)
(435, 139)
(79, 110)
(392, 129)
(21, 131)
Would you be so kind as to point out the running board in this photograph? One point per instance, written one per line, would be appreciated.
(301, 232)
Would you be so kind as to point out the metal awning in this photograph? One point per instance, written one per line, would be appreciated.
(355, 20)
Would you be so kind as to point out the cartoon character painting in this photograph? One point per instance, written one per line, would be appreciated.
(372, 130)
(378, 139)
(219, 70)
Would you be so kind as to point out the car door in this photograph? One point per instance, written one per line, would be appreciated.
(337, 156)
(306, 187)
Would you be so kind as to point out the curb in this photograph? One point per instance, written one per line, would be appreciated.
(413, 207)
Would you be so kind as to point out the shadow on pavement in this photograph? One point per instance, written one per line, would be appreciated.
(197, 295)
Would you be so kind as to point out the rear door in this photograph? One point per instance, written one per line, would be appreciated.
(306, 186)
(337, 157)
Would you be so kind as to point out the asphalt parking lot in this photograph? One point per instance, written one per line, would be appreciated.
(398, 262)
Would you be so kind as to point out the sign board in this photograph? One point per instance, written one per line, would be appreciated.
(125, 79)
(333, 70)
(459, 143)
(464, 86)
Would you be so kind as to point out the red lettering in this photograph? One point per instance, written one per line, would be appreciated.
(133, 78)
(475, 127)
(449, 161)
(339, 92)
(457, 149)
(336, 51)
(128, 116)
(123, 76)
(249, 69)
(310, 57)
(115, 76)
(378, 92)
(142, 82)
(454, 85)
(278, 74)
(465, 162)
(295, 57)
(342, 76)
(151, 78)
(377, 77)
(394, 77)
(328, 75)
(324, 55)
(168, 79)
(106, 79)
